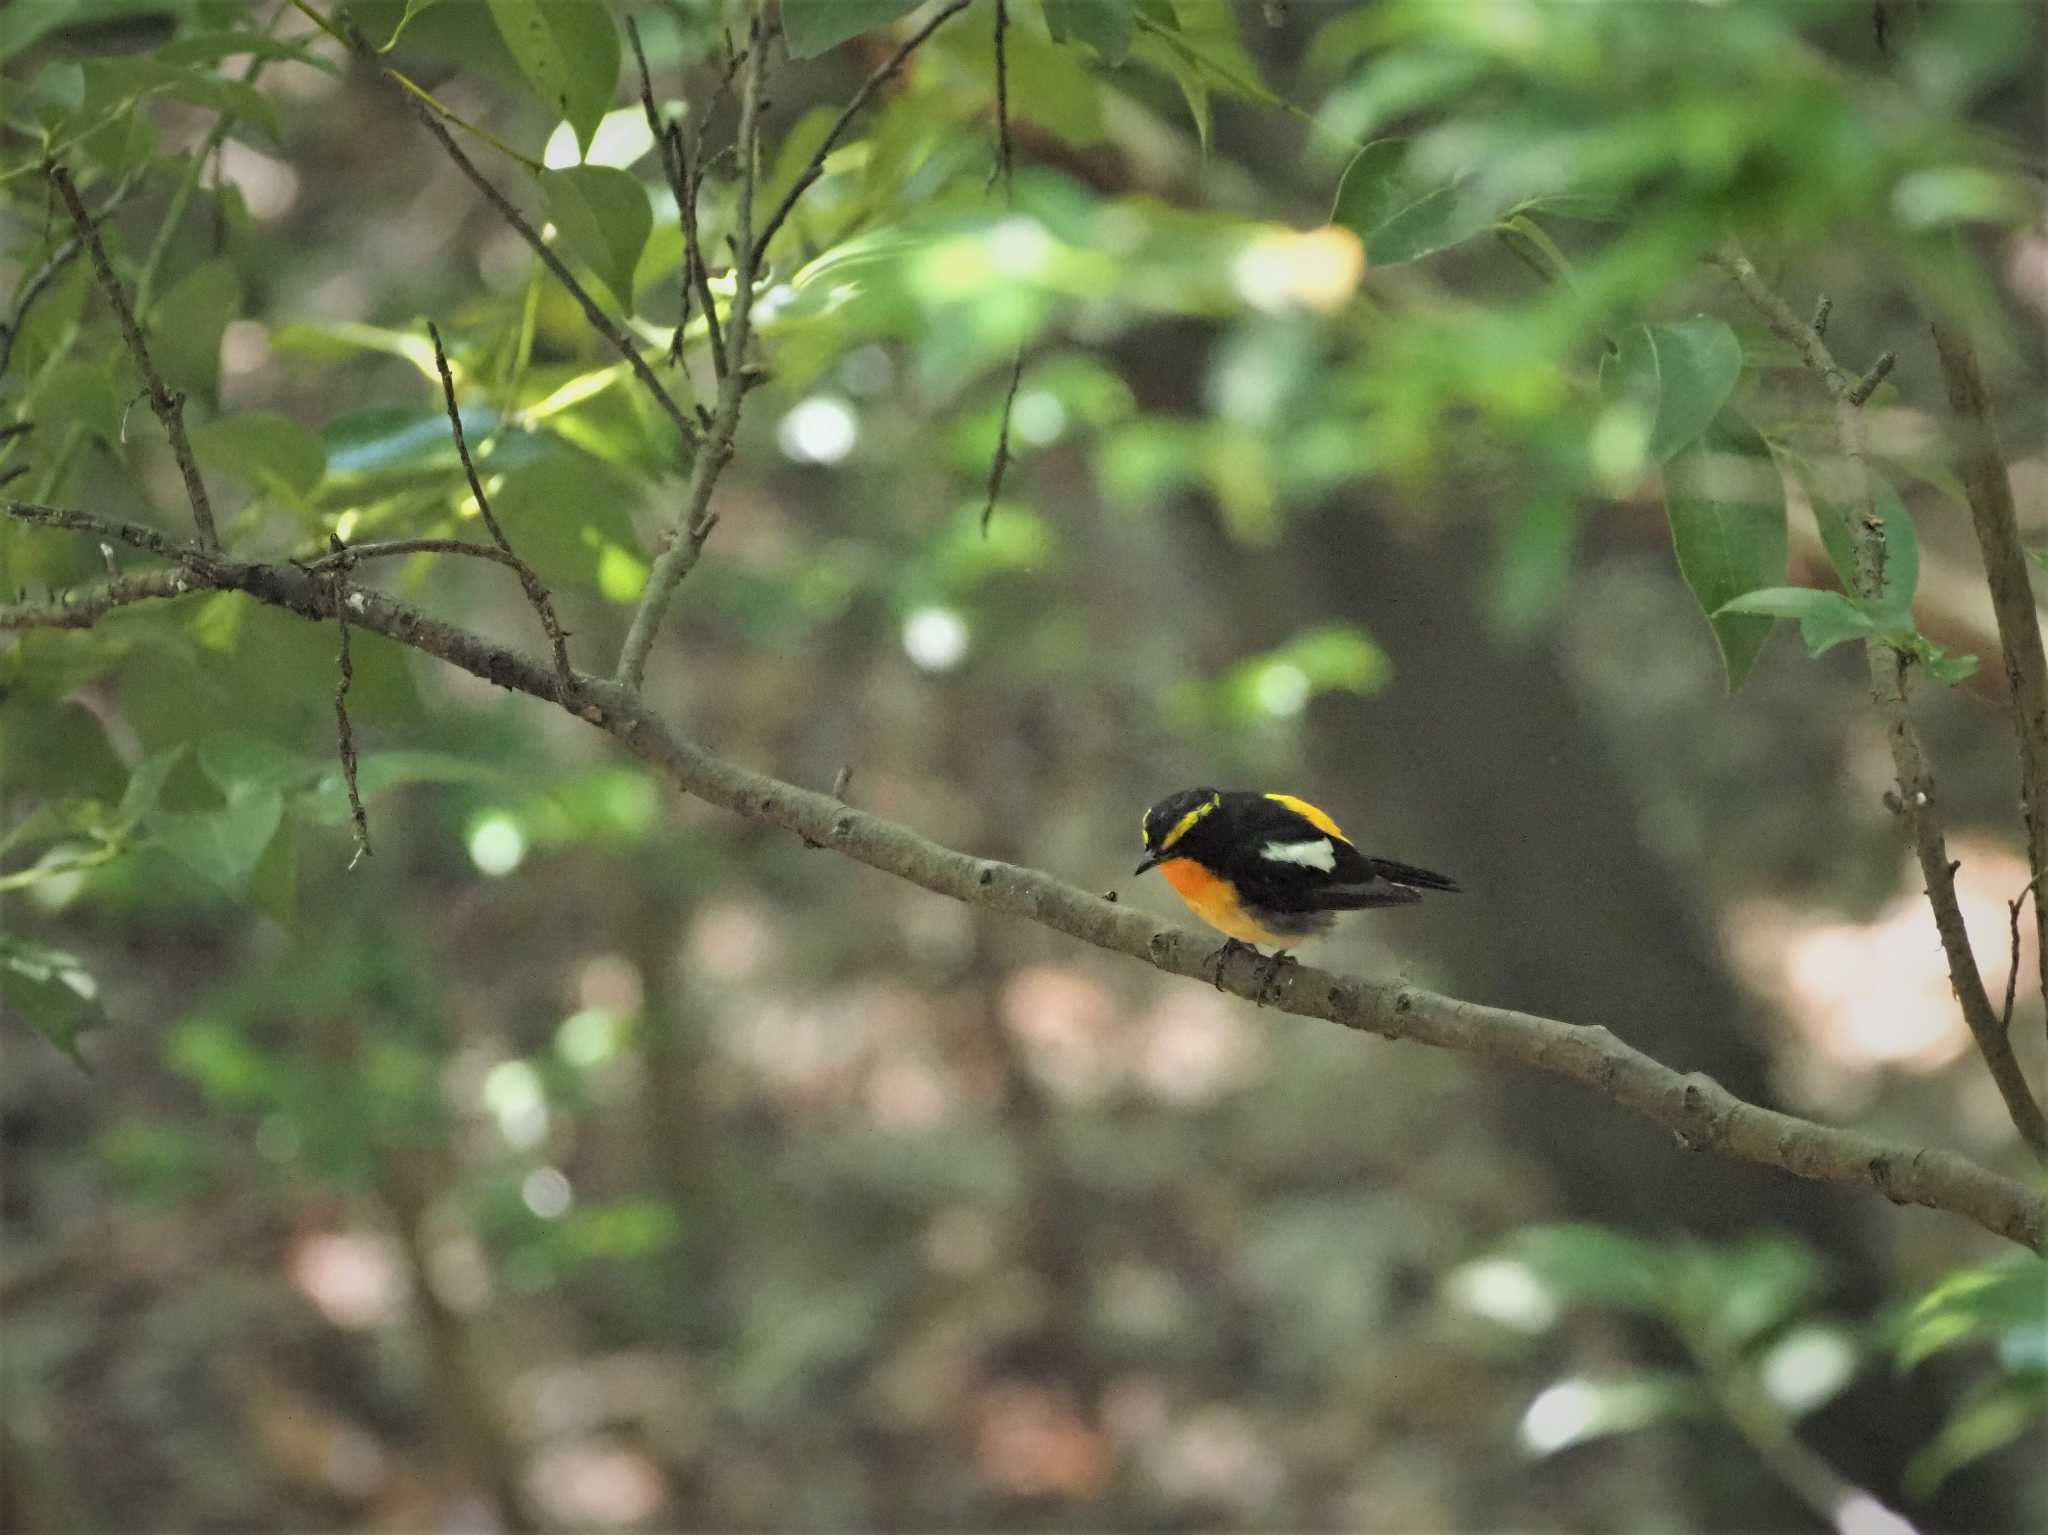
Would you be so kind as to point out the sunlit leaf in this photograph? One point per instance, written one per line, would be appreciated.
(1104, 25)
(568, 50)
(50, 991)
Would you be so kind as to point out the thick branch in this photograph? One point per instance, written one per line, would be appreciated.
(169, 406)
(1699, 1111)
(1888, 681)
(1980, 464)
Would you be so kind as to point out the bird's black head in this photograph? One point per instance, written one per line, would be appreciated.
(1170, 820)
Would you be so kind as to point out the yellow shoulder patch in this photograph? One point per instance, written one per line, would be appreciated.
(1310, 814)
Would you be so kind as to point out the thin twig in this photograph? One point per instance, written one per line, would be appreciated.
(536, 590)
(168, 405)
(1704, 1113)
(599, 321)
(344, 732)
(2012, 974)
(675, 168)
(1000, 464)
(1888, 681)
(1004, 167)
(696, 520)
(874, 82)
(1866, 386)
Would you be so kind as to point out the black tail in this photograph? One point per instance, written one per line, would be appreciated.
(1407, 874)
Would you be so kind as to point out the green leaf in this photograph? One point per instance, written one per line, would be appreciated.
(265, 449)
(1826, 619)
(240, 764)
(562, 512)
(1053, 88)
(1398, 215)
(604, 218)
(51, 991)
(223, 846)
(211, 47)
(146, 787)
(1988, 1420)
(1104, 25)
(380, 772)
(83, 391)
(812, 26)
(568, 51)
(1678, 375)
(1726, 504)
(1578, 1408)
(1591, 1263)
(186, 326)
(1975, 1304)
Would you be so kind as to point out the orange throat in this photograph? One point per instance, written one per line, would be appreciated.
(1214, 899)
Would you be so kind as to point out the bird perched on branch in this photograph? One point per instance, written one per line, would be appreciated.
(1269, 868)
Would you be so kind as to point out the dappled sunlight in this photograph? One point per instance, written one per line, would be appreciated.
(1864, 997)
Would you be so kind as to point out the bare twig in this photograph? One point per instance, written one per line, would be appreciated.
(1980, 463)
(599, 321)
(1000, 464)
(1879, 371)
(344, 732)
(675, 168)
(696, 520)
(1004, 167)
(1888, 678)
(168, 405)
(83, 609)
(1705, 1115)
(2012, 974)
(874, 82)
(536, 590)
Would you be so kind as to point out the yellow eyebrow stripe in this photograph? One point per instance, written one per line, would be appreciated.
(1181, 827)
(1310, 814)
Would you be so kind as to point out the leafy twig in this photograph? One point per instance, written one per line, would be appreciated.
(51, 270)
(599, 321)
(815, 167)
(168, 405)
(1888, 675)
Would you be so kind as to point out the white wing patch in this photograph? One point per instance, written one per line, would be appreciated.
(1314, 854)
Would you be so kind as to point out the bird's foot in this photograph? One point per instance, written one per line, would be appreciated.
(1222, 957)
(1276, 966)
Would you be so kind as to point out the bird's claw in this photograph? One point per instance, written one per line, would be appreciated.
(1222, 957)
(1276, 966)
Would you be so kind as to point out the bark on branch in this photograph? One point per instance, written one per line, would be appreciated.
(1701, 1113)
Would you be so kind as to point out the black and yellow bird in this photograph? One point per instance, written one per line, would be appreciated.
(1269, 868)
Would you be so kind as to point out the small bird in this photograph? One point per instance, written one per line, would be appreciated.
(1269, 868)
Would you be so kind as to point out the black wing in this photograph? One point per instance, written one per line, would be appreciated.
(1280, 858)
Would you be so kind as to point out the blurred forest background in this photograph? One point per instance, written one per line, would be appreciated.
(589, 1156)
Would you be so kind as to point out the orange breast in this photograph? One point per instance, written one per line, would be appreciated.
(1214, 900)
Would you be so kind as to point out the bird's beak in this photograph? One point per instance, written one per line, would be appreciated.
(1152, 861)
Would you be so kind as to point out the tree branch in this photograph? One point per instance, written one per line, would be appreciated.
(696, 520)
(169, 406)
(1700, 1112)
(1888, 684)
(1980, 464)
